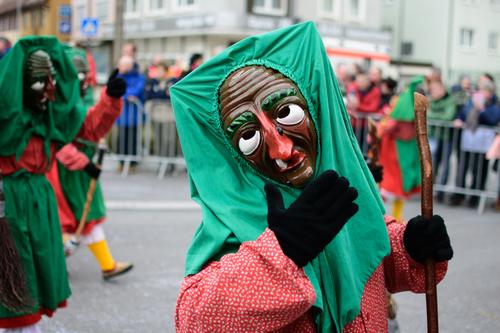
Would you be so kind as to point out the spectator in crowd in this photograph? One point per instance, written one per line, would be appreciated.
(442, 107)
(130, 50)
(462, 92)
(482, 109)
(343, 78)
(494, 154)
(362, 100)
(375, 75)
(151, 72)
(387, 92)
(157, 86)
(5, 46)
(194, 62)
(130, 118)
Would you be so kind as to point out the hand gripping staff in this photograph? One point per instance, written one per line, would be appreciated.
(74, 242)
(420, 106)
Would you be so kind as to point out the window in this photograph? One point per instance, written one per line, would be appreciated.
(406, 48)
(185, 5)
(493, 42)
(466, 38)
(156, 4)
(495, 4)
(270, 7)
(329, 8)
(356, 10)
(470, 2)
(132, 7)
(102, 11)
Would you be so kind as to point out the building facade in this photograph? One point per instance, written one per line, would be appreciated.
(461, 37)
(35, 17)
(174, 29)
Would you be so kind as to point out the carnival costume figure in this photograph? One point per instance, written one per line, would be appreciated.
(398, 151)
(71, 176)
(293, 236)
(40, 110)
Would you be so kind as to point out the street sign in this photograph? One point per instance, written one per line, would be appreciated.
(65, 28)
(65, 19)
(89, 27)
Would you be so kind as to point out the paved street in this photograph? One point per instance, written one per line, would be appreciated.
(155, 233)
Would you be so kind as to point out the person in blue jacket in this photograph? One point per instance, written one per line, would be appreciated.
(483, 109)
(132, 116)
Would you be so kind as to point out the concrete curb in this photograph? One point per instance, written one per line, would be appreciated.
(151, 205)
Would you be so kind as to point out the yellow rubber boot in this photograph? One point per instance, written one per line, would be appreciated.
(397, 208)
(101, 252)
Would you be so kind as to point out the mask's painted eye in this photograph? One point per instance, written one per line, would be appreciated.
(249, 142)
(291, 114)
(81, 76)
(37, 86)
(54, 82)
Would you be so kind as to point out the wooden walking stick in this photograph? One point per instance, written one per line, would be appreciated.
(420, 105)
(74, 242)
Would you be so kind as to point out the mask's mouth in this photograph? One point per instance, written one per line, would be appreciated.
(294, 162)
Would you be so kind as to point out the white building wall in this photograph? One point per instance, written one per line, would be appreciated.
(433, 27)
(483, 18)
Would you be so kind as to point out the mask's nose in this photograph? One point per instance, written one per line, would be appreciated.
(279, 146)
(51, 89)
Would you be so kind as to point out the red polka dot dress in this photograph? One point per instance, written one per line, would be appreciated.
(259, 289)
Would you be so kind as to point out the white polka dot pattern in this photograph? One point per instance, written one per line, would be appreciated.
(259, 289)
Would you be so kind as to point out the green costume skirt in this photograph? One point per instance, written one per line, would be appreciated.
(75, 185)
(31, 211)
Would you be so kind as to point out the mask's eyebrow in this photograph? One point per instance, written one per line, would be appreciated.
(242, 119)
(268, 102)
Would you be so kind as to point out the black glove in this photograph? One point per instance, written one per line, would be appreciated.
(376, 169)
(425, 239)
(377, 172)
(116, 86)
(314, 219)
(92, 170)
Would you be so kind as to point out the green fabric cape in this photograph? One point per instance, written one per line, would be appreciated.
(75, 184)
(88, 99)
(31, 211)
(63, 118)
(408, 157)
(231, 193)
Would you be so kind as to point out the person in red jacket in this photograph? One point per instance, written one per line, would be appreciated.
(363, 101)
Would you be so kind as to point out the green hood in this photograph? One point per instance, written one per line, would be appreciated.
(62, 119)
(403, 111)
(231, 193)
(88, 100)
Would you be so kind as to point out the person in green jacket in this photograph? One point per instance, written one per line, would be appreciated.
(442, 108)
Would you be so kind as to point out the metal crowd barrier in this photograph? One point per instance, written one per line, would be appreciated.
(146, 134)
(458, 154)
(459, 162)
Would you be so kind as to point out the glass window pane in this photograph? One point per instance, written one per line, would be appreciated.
(258, 3)
(355, 8)
(276, 4)
(328, 6)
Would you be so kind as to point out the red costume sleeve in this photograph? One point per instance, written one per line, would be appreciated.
(257, 289)
(401, 272)
(100, 117)
(72, 158)
(370, 103)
